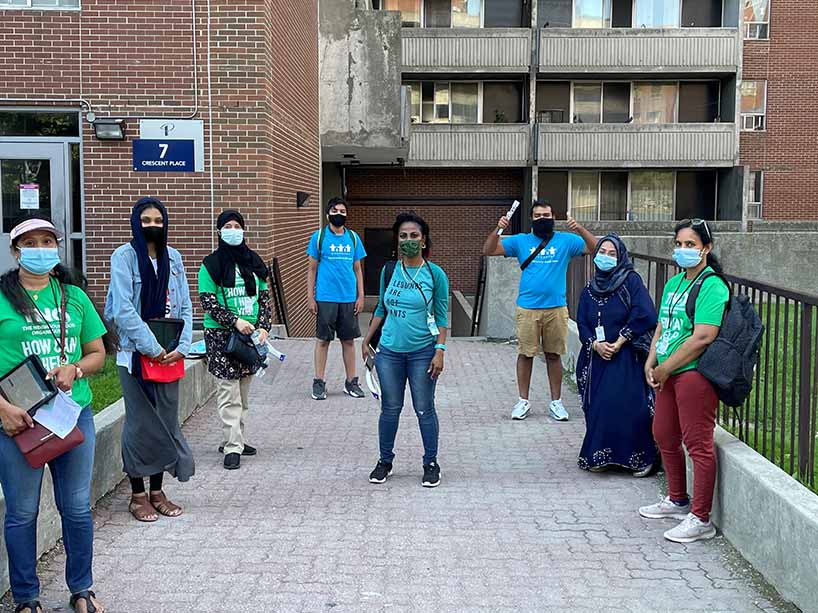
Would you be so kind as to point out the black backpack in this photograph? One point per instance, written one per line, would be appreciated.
(729, 362)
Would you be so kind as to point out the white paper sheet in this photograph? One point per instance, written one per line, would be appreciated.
(60, 415)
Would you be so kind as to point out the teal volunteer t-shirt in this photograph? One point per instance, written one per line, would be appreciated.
(22, 336)
(542, 283)
(335, 280)
(235, 299)
(676, 325)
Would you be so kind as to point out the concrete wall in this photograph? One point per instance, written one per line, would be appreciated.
(460, 313)
(196, 389)
(360, 76)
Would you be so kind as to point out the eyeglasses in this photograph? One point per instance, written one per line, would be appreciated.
(697, 223)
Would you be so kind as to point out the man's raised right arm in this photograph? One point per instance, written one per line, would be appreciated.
(493, 244)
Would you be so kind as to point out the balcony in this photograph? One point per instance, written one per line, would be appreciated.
(623, 51)
(685, 145)
(477, 50)
(469, 145)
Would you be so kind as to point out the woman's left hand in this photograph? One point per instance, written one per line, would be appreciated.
(436, 367)
(63, 376)
(172, 358)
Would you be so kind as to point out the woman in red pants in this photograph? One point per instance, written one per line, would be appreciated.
(686, 402)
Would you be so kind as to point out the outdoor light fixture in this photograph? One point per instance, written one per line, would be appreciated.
(109, 129)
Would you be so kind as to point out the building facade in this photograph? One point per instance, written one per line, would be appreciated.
(243, 74)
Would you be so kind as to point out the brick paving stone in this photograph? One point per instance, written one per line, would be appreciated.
(515, 526)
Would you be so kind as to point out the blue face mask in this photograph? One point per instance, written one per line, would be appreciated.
(233, 236)
(604, 262)
(687, 257)
(39, 260)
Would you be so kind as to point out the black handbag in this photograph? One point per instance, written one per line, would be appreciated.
(241, 348)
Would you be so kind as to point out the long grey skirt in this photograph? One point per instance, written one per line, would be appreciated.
(152, 441)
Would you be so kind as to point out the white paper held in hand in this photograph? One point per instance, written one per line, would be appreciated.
(60, 415)
(509, 215)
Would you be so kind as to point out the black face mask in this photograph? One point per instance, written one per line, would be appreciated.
(153, 234)
(543, 227)
(338, 220)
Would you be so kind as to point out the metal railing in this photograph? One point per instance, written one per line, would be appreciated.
(780, 418)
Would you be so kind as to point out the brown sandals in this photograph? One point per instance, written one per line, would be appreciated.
(141, 509)
(161, 503)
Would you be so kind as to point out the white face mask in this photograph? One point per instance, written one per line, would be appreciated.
(232, 236)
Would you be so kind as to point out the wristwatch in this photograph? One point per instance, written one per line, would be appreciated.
(79, 374)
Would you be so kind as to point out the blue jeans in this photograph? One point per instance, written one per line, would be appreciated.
(394, 369)
(71, 474)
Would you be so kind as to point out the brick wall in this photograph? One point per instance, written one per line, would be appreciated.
(458, 227)
(138, 61)
(787, 151)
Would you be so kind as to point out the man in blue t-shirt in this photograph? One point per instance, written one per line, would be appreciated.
(542, 312)
(335, 294)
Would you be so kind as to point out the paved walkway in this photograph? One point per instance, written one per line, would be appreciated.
(515, 526)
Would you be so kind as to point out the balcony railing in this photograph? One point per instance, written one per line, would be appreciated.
(479, 50)
(469, 145)
(634, 145)
(687, 50)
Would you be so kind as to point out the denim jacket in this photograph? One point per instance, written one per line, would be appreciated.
(124, 302)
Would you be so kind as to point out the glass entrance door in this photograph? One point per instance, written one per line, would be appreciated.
(32, 179)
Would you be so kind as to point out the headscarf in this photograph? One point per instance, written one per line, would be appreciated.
(604, 283)
(221, 264)
(154, 281)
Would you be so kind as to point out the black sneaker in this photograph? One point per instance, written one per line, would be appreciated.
(431, 475)
(381, 472)
(351, 388)
(319, 390)
(232, 461)
(248, 450)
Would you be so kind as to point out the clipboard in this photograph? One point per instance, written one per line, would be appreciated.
(26, 386)
(168, 332)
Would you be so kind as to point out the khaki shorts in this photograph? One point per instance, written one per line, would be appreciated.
(542, 330)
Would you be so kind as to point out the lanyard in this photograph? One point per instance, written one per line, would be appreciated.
(60, 341)
(414, 282)
(678, 297)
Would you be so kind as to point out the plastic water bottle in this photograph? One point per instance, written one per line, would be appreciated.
(272, 351)
(260, 347)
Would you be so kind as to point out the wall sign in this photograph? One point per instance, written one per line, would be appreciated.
(29, 196)
(163, 155)
(177, 129)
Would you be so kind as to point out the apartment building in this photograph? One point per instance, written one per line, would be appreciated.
(85, 83)
(613, 110)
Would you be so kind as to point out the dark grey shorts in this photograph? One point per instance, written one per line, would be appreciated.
(337, 318)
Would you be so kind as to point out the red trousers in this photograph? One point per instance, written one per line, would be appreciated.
(686, 413)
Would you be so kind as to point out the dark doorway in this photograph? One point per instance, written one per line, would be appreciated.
(696, 194)
(380, 247)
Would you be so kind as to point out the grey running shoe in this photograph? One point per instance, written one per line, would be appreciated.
(351, 388)
(665, 508)
(319, 389)
(692, 529)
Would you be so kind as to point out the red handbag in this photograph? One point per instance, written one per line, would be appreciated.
(39, 445)
(156, 372)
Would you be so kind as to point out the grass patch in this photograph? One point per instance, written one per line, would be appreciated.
(105, 385)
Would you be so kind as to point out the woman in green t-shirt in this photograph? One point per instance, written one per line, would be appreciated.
(30, 324)
(234, 296)
(686, 402)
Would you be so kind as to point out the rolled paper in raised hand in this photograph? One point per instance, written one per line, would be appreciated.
(509, 215)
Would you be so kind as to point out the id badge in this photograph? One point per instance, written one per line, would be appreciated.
(432, 324)
(600, 334)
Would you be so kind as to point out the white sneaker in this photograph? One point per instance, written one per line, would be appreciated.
(521, 409)
(557, 410)
(692, 529)
(664, 509)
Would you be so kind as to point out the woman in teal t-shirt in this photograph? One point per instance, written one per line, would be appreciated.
(414, 305)
(686, 402)
(31, 322)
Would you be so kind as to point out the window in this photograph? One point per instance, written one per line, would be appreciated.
(654, 102)
(616, 102)
(36, 123)
(592, 14)
(587, 102)
(651, 196)
(502, 102)
(40, 4)
(753, 105)
(414, 100)
(702, 13)
(756, 19)
(553, 102)
(437, 13)
(554, 14)
(504, 14)
(613, 196)
(444, 102)
(465, 98)
(755, 196)
(584, 195)
(657, 14)
(409, 9)
(698, 102)
(466, 13)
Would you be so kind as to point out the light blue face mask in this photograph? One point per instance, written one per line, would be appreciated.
(687, 257)
(232, 236)
(39, 260)
(604, 262)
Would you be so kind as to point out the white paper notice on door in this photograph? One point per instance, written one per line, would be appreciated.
(29, 196)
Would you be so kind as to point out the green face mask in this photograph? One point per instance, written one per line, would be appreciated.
(409, 248)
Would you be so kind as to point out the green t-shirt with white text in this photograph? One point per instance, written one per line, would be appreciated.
(235, 299)
(21, 336)
(676, 325)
